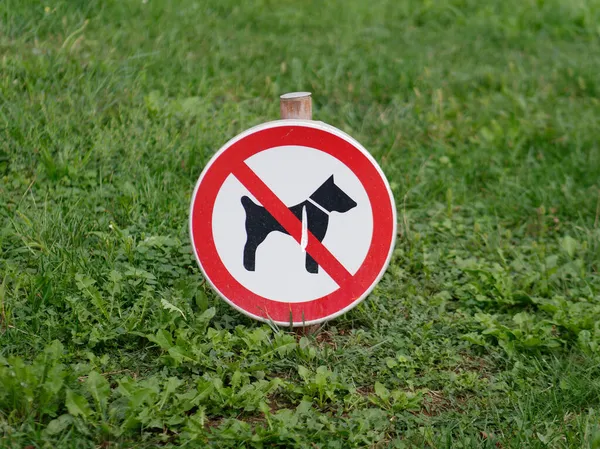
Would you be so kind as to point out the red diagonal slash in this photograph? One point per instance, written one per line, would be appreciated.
(291, 224)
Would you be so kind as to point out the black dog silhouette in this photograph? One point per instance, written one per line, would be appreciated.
(260, 223)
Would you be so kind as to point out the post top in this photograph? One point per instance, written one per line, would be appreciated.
(294, 95)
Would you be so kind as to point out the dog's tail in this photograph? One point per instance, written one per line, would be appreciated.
(248, 204)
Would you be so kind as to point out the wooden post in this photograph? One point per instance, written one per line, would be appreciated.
(296, 105)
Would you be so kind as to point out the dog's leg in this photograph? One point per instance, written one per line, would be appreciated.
(259, 223)
(250, 254)
(311, 264)
(252, 243)
(317, 225)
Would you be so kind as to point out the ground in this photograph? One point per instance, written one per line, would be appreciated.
(485, 330)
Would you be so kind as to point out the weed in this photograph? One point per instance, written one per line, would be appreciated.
(484, 331)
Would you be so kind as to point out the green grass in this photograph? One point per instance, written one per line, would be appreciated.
(485, 331)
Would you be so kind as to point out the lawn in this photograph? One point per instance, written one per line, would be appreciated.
(485, 330)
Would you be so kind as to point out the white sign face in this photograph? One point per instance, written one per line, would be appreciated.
(293, 173)
(293, 222)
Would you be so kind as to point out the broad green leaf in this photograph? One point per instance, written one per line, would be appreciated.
(55, 379)
(195, 423)
(390, 362)
(55, 350)
(304, 407)
(201, 300)
(169, 388)
(83, 281)
(381, 391)
(569, 244)
(141, 396)
(207, 315)
(205, 388)
(180, 354)
(236, 379)
(162, 339)
(168, 306)
(58, 425)
(303, 372)
(99, 388)
(304, 342)
(77, 405)
(85, 284)
(322, 376)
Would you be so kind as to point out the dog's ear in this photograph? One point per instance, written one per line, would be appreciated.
(330, 180)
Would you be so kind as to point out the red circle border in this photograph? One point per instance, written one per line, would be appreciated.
(282, 134)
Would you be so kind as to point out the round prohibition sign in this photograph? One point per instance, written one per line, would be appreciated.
(342, 234)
